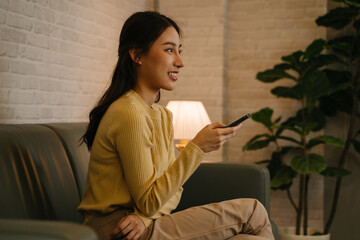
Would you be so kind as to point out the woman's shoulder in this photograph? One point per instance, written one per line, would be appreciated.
(164, 111)
(124, 109)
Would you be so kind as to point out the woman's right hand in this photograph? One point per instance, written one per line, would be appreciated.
(213, 136)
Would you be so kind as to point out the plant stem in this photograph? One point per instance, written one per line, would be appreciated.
(344, 153)
(300, 205)
(291, 200)
(305, 223)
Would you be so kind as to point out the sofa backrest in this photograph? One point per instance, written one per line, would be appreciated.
(78, 154)
(37, 178)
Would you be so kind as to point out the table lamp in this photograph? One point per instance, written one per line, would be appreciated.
(189, 117)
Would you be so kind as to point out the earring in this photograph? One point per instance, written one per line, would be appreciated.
(138, 61)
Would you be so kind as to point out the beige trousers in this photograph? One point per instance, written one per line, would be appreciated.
(233, 219)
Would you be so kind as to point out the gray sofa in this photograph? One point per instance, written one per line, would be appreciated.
(43, 172)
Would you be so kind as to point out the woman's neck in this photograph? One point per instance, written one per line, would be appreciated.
(148, 96)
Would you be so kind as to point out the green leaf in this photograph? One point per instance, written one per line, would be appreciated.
(289, 139)
(347, 46)
(356, 145)
(341, 45)
(316, 85)
(308, 164)
(342, 100)
(335, 172)
(323, 60)
(295, 92)
(315, 122)
(337, 18)
(277, 120)
(283, 176)
(289, 124)
(354, 3)
(314, 48)
(264, 117)
(273, 75)
(325, 140)
(254, 143)
(293, 58)
(282, 66)
(275, 163)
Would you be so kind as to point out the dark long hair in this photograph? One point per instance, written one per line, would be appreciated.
(139, 32)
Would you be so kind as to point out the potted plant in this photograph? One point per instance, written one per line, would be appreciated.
(314, 87)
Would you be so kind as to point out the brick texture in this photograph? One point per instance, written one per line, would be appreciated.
(56, 56)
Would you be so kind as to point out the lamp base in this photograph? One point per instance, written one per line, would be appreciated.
(180, 146)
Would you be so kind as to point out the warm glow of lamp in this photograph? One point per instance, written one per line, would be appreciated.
(189, 117)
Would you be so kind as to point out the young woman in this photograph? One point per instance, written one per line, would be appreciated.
(134, 180)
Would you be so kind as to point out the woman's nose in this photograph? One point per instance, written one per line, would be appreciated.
(179, 61)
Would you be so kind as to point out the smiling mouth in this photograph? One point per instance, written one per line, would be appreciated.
(172, 74)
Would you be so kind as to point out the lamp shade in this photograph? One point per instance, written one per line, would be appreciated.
(189, 117)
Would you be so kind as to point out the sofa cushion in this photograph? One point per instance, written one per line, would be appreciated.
(36, 179)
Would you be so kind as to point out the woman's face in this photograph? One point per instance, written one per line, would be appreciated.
(160, 66)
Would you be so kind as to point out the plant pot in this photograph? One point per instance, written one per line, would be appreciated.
(288, 233)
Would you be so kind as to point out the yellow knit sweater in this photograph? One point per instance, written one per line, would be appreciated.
(132, 162)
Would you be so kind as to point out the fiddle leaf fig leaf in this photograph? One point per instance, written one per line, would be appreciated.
(254, 143)
(316, 85)
(335, 172)
(283, 176)
(325, 140)
(293, 59)
(340, 45)
(282, 66)
(273, 75)
(277, 120)
(308, 164)
(354, 3)
(337, 18)
(289, 139)
(314, 48)
(295, 92)
(264, 117)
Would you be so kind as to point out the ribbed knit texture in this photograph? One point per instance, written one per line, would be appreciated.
(132, 162)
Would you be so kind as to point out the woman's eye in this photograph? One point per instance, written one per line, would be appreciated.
(180, 51)
(170, 50)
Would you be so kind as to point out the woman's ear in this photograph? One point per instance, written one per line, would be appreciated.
(135, 55)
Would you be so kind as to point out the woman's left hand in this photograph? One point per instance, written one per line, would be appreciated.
(130, 227)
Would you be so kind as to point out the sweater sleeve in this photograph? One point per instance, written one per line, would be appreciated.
(133, 140)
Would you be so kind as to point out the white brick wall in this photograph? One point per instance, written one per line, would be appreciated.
(57, 56)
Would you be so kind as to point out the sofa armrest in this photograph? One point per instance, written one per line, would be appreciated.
(219, 181)
(44, 230)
